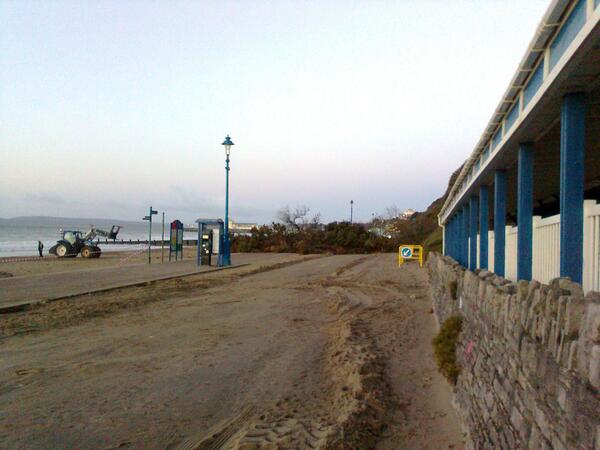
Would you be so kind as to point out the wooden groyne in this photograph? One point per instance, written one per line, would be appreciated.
(154, 242)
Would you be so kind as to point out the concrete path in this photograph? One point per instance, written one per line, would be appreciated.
(17, 292)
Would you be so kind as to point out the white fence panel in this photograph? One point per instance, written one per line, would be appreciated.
(468, 251)
(591, 246)
(491, 250)
(511, 253)
(546, 248)
(478, 249)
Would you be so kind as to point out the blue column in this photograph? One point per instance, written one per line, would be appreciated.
(499, 221)
(483, 226)
(451, 224)
(572, 153)
(454, 233)
(473, 219)
(466, 233)
(460, 235)
(454, 236)
(525, 211)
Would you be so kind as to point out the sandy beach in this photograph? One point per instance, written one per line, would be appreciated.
(345, 361)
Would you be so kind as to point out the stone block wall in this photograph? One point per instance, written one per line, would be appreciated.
(529, 357)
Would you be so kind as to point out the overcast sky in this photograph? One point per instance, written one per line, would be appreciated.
(108, 107)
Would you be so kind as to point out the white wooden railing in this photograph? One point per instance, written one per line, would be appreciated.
(491, 250)
(591, 245)
(546, 248)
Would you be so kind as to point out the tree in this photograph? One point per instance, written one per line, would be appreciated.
(392, 212)
(297, 218)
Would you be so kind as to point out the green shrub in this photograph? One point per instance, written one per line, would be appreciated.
(433, 242)
(444, 348)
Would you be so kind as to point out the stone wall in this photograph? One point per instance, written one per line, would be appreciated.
(529, 357)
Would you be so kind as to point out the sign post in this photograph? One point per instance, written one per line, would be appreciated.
(149, 219)
(407, 252)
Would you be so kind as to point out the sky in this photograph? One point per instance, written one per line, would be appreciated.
(109, 107)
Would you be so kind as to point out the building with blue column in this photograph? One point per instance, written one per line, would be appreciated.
(526, 203)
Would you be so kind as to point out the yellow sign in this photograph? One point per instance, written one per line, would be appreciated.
(408, 252)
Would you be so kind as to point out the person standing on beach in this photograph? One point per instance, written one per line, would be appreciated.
(41, 249)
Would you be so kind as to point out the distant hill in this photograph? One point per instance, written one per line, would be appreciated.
(422, 227)
(433, 241)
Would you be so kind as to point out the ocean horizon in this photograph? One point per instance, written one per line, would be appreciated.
(19, 236)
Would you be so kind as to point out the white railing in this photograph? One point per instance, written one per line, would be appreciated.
(546, 248)
(591, 245)
(510, 264)
(491, 250)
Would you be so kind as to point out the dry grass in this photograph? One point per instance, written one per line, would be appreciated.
(444, 348)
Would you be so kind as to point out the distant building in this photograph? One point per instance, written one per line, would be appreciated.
(239, 228)
(407, 214)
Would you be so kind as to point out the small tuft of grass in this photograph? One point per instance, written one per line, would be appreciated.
(444, 348)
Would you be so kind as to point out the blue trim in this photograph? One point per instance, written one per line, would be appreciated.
(568, 32)
(474, 216)
(533, 84)
(499, 221)
(525, 211)
(572, 158)
(483, 226)
(512, 116)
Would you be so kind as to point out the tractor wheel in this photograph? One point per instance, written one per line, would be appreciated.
(87, 252)
(97, 252)
(62, 250)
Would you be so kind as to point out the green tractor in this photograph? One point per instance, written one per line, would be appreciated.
(73, 243)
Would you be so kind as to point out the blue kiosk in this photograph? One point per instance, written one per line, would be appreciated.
(209, 225)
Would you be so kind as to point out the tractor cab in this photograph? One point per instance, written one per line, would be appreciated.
(72, 237)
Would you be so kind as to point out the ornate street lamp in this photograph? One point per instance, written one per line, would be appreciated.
(227, 143)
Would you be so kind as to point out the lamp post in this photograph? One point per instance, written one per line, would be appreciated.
(351, 209)
(227, 143)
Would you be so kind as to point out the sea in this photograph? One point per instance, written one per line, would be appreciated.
(19, 236)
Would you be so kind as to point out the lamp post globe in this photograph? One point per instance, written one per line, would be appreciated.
(226, 259)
